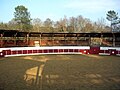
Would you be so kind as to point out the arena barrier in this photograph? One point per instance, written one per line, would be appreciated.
(21, 51)
(109, 51)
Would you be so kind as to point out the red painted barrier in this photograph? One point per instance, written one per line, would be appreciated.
(112, 52)
(1, 54)
(50, 50)
(56, 50)
(7, 52)
(59, 50)
(39, 51)
(25, 51)
(20, 52)
(45, 51)
(35, 51)
(94, 50)
(29, 51)
(66, 50)
(14, 52)
(76, 50)
(71, 50)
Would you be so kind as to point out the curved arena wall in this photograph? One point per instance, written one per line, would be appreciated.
(21, 51)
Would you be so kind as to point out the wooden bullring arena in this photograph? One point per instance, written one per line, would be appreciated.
(59, 61)
(15, 43)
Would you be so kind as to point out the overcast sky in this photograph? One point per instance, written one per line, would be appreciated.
(56, 9)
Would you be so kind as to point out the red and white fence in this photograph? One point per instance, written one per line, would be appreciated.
(109, 51)
(20, 51)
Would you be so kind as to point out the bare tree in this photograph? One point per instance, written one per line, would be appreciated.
(48, 23)
(73, 23)
(81, 23)
(13, 24)
(99, 26)
(37, 24)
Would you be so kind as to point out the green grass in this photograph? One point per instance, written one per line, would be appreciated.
(60, 72)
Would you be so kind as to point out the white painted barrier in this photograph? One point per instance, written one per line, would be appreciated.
(22, 51)
(109, 50)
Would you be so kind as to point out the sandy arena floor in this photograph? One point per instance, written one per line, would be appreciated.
(60, 72)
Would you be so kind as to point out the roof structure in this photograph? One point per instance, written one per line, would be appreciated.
(16, 33)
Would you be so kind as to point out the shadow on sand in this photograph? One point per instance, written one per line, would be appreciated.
(19, 73)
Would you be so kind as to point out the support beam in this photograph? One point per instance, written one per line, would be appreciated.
(1, 41)
(40, 39)
(113, 40)
(77, 39)
(52, 39)
(89, 40)
(28, 39)
(101, 40)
